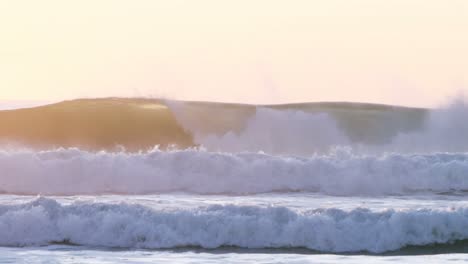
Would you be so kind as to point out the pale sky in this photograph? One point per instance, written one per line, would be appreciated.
(406, 52)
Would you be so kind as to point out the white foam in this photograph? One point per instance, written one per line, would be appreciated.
(304, 133)
(72, 171)
(275, 131)
(445, 130)
(45, 221)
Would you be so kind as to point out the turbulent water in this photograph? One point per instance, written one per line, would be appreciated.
(72, 171)
(145, 181)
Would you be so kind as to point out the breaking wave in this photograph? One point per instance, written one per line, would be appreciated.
(274, 131)
(341, 149)
(73, 171)
(446, 129)
(44, 221)
(306, 129)
(296, 129)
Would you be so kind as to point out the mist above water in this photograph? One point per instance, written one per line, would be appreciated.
(275, 131)
(303, 132)
(445, 130)
(331, 149)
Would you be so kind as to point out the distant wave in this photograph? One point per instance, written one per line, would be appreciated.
(94, 124)
(73, 171)
(44, 221)
(141, 124)
(297, 129)
(293, 129)
(306, 129)
(445, 129)
(280, 132)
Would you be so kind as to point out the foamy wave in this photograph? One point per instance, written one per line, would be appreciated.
(45, 221)
(319, 130)
(275, 131)
(72, 171)
(445, 130)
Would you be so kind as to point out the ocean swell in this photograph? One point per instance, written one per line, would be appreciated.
(307, 129)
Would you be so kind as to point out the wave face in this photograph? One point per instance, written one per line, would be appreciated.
(141, 124)
(306, 129)
(73, 171)
(295, 129)
(445, 130)
(46, 221)
(94, 124)
(275, 131)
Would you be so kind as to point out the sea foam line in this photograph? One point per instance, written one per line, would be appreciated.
(72, 171)
(44, 221)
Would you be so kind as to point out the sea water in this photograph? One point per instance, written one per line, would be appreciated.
(263, 228)
(290, 187)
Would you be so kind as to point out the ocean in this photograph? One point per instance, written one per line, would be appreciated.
(150, 181)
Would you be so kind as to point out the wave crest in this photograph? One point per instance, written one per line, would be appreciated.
(306, 129)
(45, 221)
(73, 171)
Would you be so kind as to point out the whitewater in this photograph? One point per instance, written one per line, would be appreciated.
(73, 171)
(266, 185)
(44, 221)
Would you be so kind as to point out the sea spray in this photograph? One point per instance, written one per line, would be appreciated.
(307, 130)
(74, 171)
(45, 221)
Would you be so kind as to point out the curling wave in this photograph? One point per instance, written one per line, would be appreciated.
(140, 124)
(73, 171)
(44, 221)
(291, 129)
